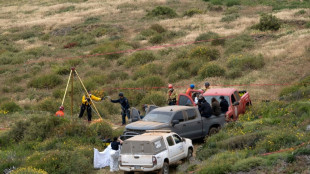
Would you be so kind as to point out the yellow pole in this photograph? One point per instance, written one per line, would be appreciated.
(88, 95)
(72, 69)
(63, 99)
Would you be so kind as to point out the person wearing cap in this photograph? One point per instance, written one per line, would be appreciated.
(204, 107)
(188, 91)
(125, 107)
(60, 113)
(172, 96)
(207, 86)
(86, 105)
(224, 104)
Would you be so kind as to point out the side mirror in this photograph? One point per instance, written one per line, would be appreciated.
(174, 122)
(236, 103)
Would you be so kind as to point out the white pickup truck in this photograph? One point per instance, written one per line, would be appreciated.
(154, 151)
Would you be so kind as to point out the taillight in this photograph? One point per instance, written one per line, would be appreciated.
(154, 160)
(120, 159)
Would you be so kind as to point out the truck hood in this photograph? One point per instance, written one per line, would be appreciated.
(146, 125)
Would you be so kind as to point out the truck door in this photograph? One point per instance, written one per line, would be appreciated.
(173, 151)
(179, 145)
(185, 100)
(192, 127)
(240, 106)
(178, 128)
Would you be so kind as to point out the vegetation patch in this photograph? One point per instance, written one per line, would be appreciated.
(162, 12)
(155, 98)
(45, 81)
(211, 70)
(192, 12)
(205, 53)
(268, 22)
(239, 44)
(111, 50)
(140, 58)
(207, 36)
(147, 70)
(246, 62)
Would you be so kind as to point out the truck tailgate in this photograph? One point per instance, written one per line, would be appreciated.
(136, 160)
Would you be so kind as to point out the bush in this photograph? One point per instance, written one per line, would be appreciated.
(268, 22)
(103, 129)
(247, 62)
(230, 17)
(207, 36)
(192, 12)
(10, 106)
(308, 25)
(82, 40)
(238, 44)
(28, 170)
(158, 28)
(92, 20)
(205, 53)
(216, 2)
(62, 70)
(151, 81)
(247, 164)
(45, 81)
(147, 70)
(211, 70)
(162, 12)
(230, 3)
(111, 49)
(157, 39)
(234, 73)
(118, 75)
(140, 58)
(241, 141)
(179, 75)
(156, 98)
(179, 64)
(48, 104)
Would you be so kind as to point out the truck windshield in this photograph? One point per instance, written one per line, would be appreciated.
(158, 116)
(217, 97)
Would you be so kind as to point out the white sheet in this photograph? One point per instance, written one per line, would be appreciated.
(102, 159)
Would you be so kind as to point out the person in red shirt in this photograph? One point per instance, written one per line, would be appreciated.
(60, 113)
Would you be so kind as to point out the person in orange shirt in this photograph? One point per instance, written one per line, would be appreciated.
(188, 91)
(60, 113)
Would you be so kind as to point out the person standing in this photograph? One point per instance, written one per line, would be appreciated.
(215, 107)
(114, 154)
(223, 104)
(171, 96)
(207, 86)
(188, 91)
(86, 104)
(125, 107)
(204, 107)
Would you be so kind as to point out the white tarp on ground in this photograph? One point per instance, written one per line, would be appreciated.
(102, 159)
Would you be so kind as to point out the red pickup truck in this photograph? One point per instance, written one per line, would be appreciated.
(237, 100)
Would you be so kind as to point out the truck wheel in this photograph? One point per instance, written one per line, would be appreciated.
(165, 169)
(128, 172)
(189, 154)
(213, 131)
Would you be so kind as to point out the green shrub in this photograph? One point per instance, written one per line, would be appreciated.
(82, 40)
(238, 44)
(216, 2)
(192, 12)
(219, 41)
(140, 58)
(205, 53)
(230, 3)
(147, 70)
(45, 81)
(28, 170)
(92, 20)
(162, 12)
(241, 141)
(103, 129)
(62, 70)
(247, 62)
(234, 73)
(158, 28)
(66, 9)
(48, 104)
(307, 25)
(180, 74)
(111, 49)
(157, 39)
(156, 98)
(268, 22)
(118, 75)
(230, 17)
(211, 70)
(179, 64)
(74, 62)
(10, 106)
(151, 81)
(147, 32)
(207, 36)
(247, 164)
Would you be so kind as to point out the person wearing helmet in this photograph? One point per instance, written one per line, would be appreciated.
(171, 96)
(60, 113)
(188, 91)
(207, 86)
(86, 105)
(125, 107)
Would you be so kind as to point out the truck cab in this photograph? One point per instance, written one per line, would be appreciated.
(237, 100)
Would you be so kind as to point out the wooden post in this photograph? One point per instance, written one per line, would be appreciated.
(73, 70)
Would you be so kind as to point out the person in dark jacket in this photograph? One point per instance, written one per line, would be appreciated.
(125, 107)
(204, 107)
(114, 154)
(216, 108)
(223, 104)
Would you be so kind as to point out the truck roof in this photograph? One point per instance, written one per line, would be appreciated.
(173, 108)
(151, 136)
(220, 91)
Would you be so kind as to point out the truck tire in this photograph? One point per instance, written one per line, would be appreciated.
(213, 130)
(189, 154)
(128, 172)
(165, 169)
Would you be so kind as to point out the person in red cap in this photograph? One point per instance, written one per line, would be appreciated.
(60, 113)
(172, 96)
